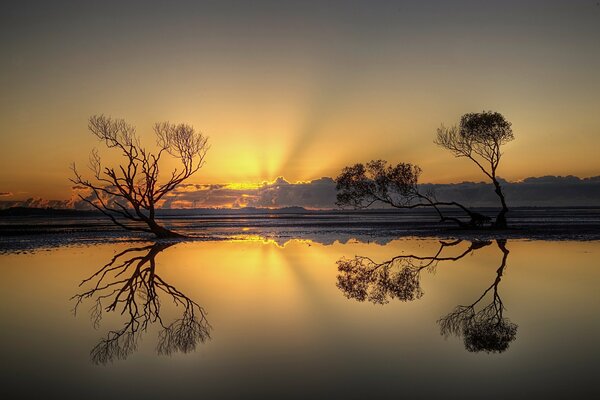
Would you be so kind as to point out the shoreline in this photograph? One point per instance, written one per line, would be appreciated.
(39, 240)
(28, 233)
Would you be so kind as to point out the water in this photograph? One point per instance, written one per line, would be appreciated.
(43, 231)
(261, 318)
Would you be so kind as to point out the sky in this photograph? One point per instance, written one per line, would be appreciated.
(298, 90)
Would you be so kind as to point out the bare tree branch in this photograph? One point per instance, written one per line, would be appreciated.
(130, 193)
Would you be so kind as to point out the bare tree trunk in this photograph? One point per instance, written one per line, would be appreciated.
(161, 232)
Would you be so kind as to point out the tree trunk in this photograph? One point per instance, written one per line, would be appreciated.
(501, 217)
(161, 232)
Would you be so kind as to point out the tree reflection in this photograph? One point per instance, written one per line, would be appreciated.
(130, 285)
(362, 279)
(483, 328)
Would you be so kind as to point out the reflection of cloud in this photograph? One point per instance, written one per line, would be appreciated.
(5, 194)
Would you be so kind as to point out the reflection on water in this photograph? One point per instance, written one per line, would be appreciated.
(286, 330)
(130, 285)
(362, 279)
(482, 329)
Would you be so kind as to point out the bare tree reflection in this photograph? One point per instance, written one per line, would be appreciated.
(130, 285)
(362, 279)
(483, 328)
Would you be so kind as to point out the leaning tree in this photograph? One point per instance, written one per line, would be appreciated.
(479, 137)
(130, 193)
(360, 186)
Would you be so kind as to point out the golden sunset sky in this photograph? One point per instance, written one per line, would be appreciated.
(299, 89)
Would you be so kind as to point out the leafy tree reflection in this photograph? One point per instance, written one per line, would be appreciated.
(482, 328)
(362, 279)
(130, 285)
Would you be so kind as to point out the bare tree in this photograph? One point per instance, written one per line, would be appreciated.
(130, 285)
(362, 279)
(361, 186)
(484, 328)
(479, 137)
(130, 193)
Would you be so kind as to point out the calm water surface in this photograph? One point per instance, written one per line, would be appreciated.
(415, 318)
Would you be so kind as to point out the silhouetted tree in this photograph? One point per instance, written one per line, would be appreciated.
(130, 285)
(361, 186)
(362, 279)
(129, 194)
(484, 329)
(479, 137)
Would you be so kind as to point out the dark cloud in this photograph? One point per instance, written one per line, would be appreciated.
(5, 194)
(320, 193)
(543, 191)
(36, 202)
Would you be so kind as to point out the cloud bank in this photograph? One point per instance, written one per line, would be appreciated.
(321, 194)
(546, 191)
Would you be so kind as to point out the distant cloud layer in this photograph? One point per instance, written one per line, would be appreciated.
(543, 191)
(320, 193)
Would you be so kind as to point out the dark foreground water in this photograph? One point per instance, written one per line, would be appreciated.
(255, 318)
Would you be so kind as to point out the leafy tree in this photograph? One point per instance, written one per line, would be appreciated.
(361, 186)
(130, 193)
(479, 137)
